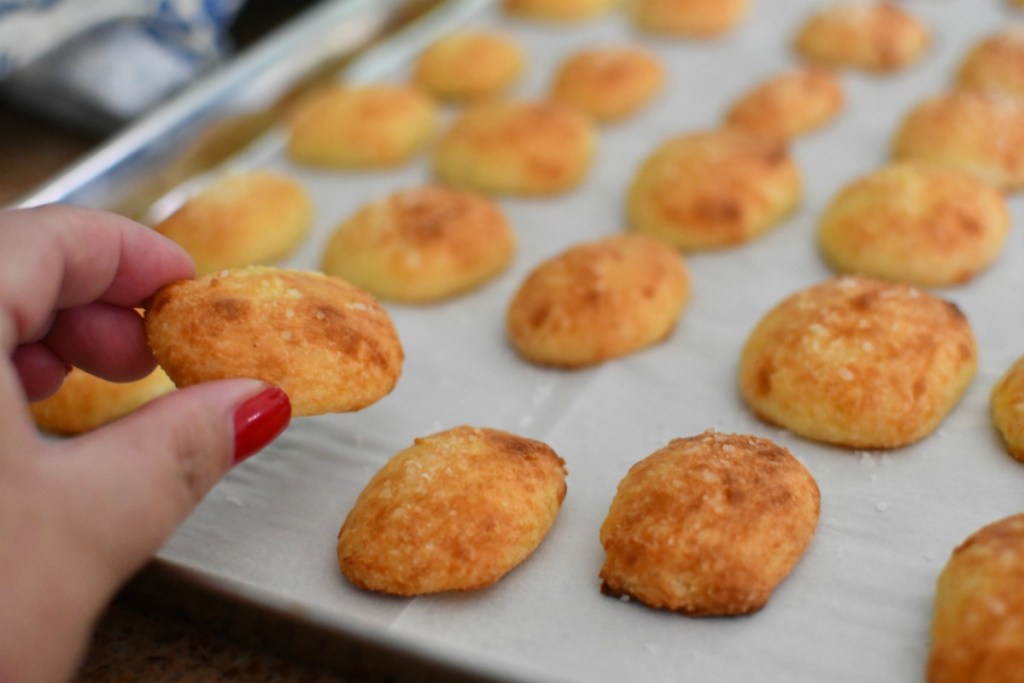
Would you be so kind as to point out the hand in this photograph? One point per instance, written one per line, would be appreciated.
(78, 517)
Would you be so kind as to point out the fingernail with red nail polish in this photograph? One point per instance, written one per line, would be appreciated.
(259, 420)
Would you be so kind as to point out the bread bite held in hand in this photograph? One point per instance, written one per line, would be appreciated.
(455, 511)
(330, 346)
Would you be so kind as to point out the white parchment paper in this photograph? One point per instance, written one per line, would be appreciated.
(857, 608)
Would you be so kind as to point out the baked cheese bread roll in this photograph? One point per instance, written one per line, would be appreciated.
(598, 300)
(709, 525)
(470, 65)
(915, 223)
(421, 245)
(858, 362)
(1007, 401)
(85, 402)
(979, 132)
(558, 10)
(713, 189)
(873, 36)
(790, 104)
(517, 148)
(689, 18)
(979, 609)
(995, 63)
(328, 345)
(241, 219)
(455, 511)
(364, 127)
(608, 84)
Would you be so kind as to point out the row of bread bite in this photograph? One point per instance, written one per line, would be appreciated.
(535, 148)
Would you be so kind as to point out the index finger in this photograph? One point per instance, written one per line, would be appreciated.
(58, 257)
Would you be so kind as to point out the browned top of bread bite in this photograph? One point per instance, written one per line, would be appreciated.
(421, 244)
(598, 300)
(710, 524)
(874, 36)
(524, 148)
(858, 362)
(328, 345)
(468, 65)
(455, 511)
(979, 608)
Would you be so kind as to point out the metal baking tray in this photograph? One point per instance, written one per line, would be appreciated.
(857, 607)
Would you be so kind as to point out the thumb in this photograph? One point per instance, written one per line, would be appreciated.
(132, 482)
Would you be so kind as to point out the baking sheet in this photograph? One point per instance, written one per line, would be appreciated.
(857, 607)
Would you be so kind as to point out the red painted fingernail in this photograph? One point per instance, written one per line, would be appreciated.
(259, 420)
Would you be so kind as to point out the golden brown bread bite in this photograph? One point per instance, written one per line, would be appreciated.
(978, 625)
(597, 301)
(328, 345)
(689, 18)
(85, 402)
(455, 511)
(789, 104)
(240, 220)
(469, 65)
(517, 148)
(995, 63)
(979, 132)
(421, 245)
(608, 84)
(872, 36)
(915, 223)
(1007, 401)
(713, 189)
(709, 525)
(558, 10)
(858, 363)
(365, 127)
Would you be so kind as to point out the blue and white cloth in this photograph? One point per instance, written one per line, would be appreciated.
(102, 62)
